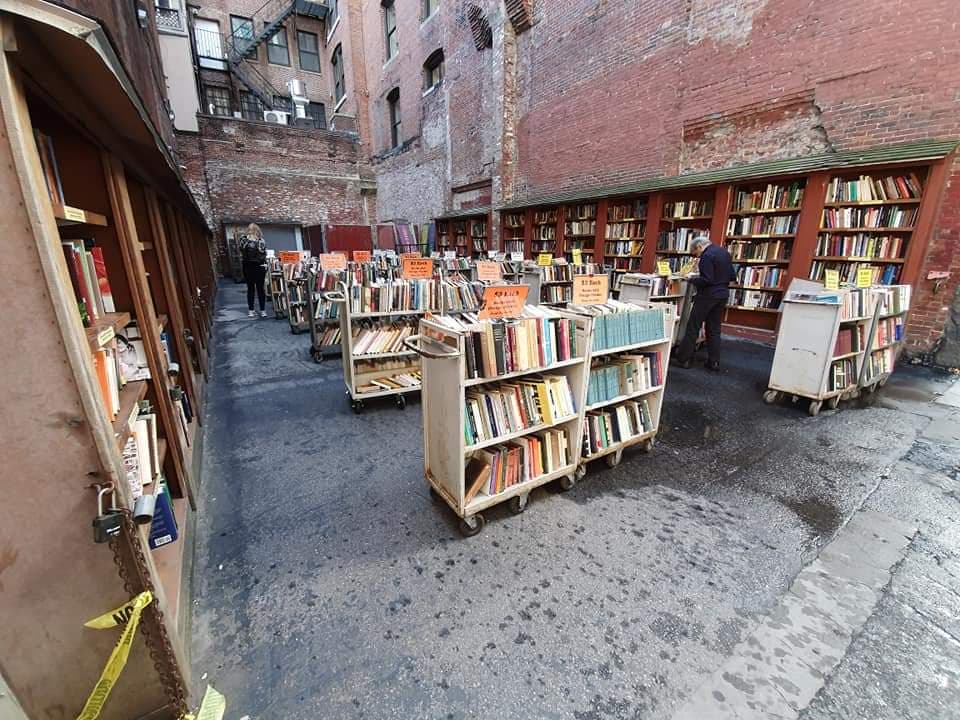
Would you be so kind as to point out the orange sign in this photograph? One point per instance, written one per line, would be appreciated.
(417, 268)
(410, 255)
(503, 301)
(590, 289)
(333, 261)
(289, 257)
(362, 256)
(488, 271)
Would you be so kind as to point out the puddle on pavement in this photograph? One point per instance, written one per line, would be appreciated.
(686, 424)
(821, 516)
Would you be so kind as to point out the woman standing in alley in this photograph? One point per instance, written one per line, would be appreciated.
(253, 250)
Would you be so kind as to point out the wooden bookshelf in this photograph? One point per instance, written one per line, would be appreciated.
(684, 216)
(68, 216)
(514, 232)
(624, 237)
(545, 235)
(106, 328)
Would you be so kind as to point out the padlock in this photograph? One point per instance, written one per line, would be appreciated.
(106, 525)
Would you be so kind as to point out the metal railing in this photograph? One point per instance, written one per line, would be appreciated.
(209, 44)
(169, 19)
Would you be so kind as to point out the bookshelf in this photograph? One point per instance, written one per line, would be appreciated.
(514, 233)
(685, 216)
(892, 303)
(868, 221)
(445, 241)
(544, 224)
(276, 288)
(295, 296)
(580, 230)
(623, 238)
(323, 313)
(479, 237)
(672, 290)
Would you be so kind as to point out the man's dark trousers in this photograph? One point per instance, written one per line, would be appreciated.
(705, 310)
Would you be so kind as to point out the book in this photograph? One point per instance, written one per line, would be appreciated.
(103, 282)
(512, 407)
(51, 171)
(477, 474)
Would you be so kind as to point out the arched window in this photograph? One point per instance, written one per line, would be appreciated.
(393, 103)
(433, 70)
(337, 61)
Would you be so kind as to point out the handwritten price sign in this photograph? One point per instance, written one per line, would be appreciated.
(831, 280)
(545, 259)
(590, 289)
(361, 256)
(488, 271)
(289, 257)
(332, 261)
(864, 277)
(417, 268)
(503, 301)
(663, 268)
(577, 254)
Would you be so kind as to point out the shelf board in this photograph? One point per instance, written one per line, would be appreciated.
(67, 216)
(384, 393)
(689, 217)
(854, 320)
(884, 347)
(854, 203)
(765, 211)
(677, 296)
(753, 309)
(556, 282)
(520, 433)
(619, 445)
(760, 237)
(757, 287)
(673, 252)
(866, 229)
(471, 382)
(580, 235)
(637, 257)
(626, 270)
(392, 313)
(483, 501)
(853, 258)
(628, 348)
(106, 328)
(626, 220)
(379, 356)
(740, 261)
(624, 398)
(130, 395)
(852, 353)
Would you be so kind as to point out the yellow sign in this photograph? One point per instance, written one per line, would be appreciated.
(289, 257)
(864, 277)
(545, 259)
(831, 279)
(663, 268)
(577, 256)
(361, 256)
(503, 301)
(417, 268)
(105, 336)
(488, 271)
(74, 214)
(590, 289)
(332, 261)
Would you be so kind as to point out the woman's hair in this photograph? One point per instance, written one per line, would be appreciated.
(254, 229)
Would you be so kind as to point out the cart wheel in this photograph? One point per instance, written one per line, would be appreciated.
(814, 408)
(471, 525)
(834, 402)
(318, 357)
(357, 406)
(401, 402)
(518, 503)
(567, 482)
(771, 396)
(613, 459)
(648, 444)
(581, 472)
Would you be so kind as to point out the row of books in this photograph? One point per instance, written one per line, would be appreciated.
(373, 338)
(556, 273)
(746, 250)
(539, 246)
(887, 216)
(603, 428)
(324, 310)
(513, 246)
(110, 376)
(461, 294)
(754, 299)
(88, 277)
(680, 240)
(660, 285)
(892, 300)
(587, 211)
(513, 220)
(678, 265)
(879, 274)
(330, 337)
(556, 294)
(625, 231)
(545, 216)
(868, 245)
(326, 280)
(763, 225)
(769, 276)
(855, 303)
(511, 407)
(889, 330)
(688, 208)
(843, 374)
(141, 452)
(880, 362)
(581, 227)
(627, 263)
(394, 296)
(399, 379)
(479, 229)
(618, 324)
(298, 314)
(492, 470)
(867, 188)
(545, 232)
(773, 197)
(626, 375)
(620, 212)
(850, 339)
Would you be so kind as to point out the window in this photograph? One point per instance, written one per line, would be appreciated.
(428, 8)
(309, 51)
(337, 61)
(433, 70)
(217, 100)
(317, 114)
(241, 33)
(206, 35)
(169, 15)
(250, 106)
(277, 50)
(283, 104)
(393, 101)
(334, 13)
(391, 41)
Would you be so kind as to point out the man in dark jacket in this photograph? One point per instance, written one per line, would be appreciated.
(713, 289)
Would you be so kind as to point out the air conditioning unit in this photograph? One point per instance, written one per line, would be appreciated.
(276, 116)
(299, 109)
(297, 90)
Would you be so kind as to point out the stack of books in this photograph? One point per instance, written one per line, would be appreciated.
(763, 225)
(494, 469)
(890, 216)
(618, 324)
(381, 337)
(512, 407)
(382, 296)
(88, 276)
(773, 197)
(627, 375)
(866, 188)
(604, 428)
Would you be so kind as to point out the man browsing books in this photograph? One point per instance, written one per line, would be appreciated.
(713, 289)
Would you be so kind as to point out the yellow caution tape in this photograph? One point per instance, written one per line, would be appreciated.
(212, 708)
(127, 615)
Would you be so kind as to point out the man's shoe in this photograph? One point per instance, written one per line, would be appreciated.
(251, 313)
(683, 364)
(263, 313)
(712, 365)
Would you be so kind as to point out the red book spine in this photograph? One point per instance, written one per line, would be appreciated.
(100, 267)
(79, 286)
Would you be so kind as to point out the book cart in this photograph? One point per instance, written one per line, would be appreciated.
(296, 294)
(892, 302)
(323, 314)
(275, 288)
(673, 290)
(445, 384)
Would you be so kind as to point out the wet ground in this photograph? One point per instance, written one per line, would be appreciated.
(327, 585)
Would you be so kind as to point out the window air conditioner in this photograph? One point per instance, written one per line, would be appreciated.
(276, 116)
(296, 89)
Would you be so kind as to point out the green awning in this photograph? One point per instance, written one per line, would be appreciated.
(466, 213)
(922, 151)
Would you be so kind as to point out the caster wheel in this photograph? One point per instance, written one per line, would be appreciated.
(613, 459)
(401, 402)
(833, 403)
(357, 407)
(814, 408)
(518, 503)
(581, 472)
(647, 445)
(470, 526)
(770, 397)
(567, 482)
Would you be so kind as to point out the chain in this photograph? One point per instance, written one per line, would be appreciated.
(134, 571)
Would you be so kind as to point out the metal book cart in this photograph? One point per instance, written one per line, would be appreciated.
(443, 357)
(296, 293)
(641, 288)
(324, 314)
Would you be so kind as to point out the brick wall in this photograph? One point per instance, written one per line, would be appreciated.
(258, 172)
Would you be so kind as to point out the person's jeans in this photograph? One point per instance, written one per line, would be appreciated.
(705, 310)
(254, 274)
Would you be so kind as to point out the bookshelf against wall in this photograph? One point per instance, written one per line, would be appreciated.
(760, 232)
(580, 230)
(479, 237)
(624, 235)
(445, 241)
(514, 229)
(686, 215)
(544, 231)
(868, 221)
